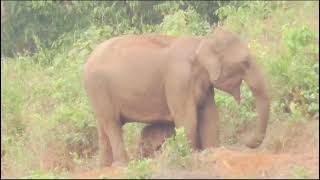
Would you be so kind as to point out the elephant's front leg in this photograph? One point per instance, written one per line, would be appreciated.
(208, 125)
(180, 98)
(185, 116)
(188, 120)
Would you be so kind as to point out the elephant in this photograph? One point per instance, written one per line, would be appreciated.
(153, 136)
(156, 78)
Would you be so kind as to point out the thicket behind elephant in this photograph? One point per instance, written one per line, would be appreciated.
(158, 78)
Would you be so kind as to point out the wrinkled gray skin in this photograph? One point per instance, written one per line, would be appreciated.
(158, 78)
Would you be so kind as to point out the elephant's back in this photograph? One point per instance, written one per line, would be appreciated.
(130, 50)
(133, 69)
(147, 42)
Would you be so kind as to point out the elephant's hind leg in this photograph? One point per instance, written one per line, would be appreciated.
(109, 125)
(113, 127)
(105, 151)
(109, 120)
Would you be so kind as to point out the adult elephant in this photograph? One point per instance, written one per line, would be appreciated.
(158, 78)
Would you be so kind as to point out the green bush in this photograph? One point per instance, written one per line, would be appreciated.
(131, 138)
(46, 102)
(184, 22)
(43, 175)
(49, 20)
(300, 172)
(139, 169)
(176, 150)
(26, 24)
(291, 61)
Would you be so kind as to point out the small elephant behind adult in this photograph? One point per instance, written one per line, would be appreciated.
(153, 136)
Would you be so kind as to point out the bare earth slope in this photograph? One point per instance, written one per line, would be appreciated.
(289, 151)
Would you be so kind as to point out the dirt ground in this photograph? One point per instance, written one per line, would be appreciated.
(289, 151)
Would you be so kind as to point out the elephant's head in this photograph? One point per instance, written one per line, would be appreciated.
(228, 61)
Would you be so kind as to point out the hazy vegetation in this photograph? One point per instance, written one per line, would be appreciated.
(47, 125)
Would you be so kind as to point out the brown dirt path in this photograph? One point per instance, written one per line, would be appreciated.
(227, 163)
(288, 152)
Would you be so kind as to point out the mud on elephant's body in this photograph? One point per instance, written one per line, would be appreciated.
(157, 78)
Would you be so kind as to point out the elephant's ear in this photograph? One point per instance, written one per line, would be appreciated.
(209, 59)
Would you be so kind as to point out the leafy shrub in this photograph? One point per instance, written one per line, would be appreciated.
(300, 172)
(46, 102)
(184, 22)
(288, 54)
(22, 21)
(176, 150)
(131, 137)
(300, 62)
(297, 38)
(50, 20)
(139, 169)
(43, 175)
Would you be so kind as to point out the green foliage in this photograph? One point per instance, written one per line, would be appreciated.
(40, 174)
(176, 150)
(184, 22)
(300, 172)
(28, 24)
(301, 70)
(241, 114)
(288, 54)
(205, 9)
(297, 38)
(50, 100)
(243, 17)
(131, 137)
(49, 20)
(235, 117)
(139, 169)
(15, 155)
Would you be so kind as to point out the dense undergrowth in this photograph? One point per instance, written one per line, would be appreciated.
(47, 125)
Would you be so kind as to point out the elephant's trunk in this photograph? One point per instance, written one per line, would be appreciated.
(257, 85)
